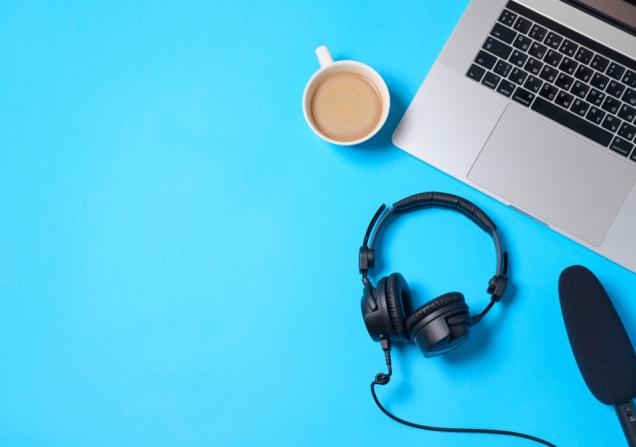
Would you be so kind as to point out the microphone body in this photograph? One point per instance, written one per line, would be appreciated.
(601, 346)
(627, 418)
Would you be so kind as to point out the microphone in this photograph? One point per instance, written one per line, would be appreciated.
(600, 344)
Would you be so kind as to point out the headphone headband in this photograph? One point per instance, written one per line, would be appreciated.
(497, 284)
(441, 199)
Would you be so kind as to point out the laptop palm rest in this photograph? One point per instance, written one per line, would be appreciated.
(554, 174)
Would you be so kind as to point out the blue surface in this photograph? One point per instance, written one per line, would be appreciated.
(178, 250)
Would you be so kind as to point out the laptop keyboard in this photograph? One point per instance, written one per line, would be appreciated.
(561, 74)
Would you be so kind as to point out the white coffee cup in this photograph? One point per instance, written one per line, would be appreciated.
(327, 67)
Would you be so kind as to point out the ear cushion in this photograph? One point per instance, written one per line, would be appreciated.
(398, 300)
(432, 306)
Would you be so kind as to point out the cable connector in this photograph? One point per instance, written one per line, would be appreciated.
(384, 378)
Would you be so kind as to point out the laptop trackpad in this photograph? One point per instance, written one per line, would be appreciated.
(556, 175)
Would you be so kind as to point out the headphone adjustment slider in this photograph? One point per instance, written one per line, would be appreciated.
(367, 258)
(497, 286)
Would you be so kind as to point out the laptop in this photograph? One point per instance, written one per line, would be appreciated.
(533, 102)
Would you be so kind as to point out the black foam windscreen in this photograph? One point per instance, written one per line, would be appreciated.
(601, 346)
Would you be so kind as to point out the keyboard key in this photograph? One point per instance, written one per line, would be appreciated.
(611, 123)
(580, 89)
(615, 89)
(548, 91)
(553, 58)
(553, 40)
(596, 97)
(580, 107)
(611, 105)
(523, 96)
(507, 17)
(568, 65)
(475, 72)
(627, 113)
(584, 55)
(522, 42)
(497, 48)
(584, 73)
(548, 73)
(503, 33)
(533, 84)
(630, 78)
(502, 68)
(518, 76)
(599, 81)
(630, 97)
(599, 63)
(633, 157)
(537, 50)
(534, 66)
(564, 99)
(572, 121)
(518, 58)
(627, 131)
(595, 115)
(486, 60)
(491, 80)
(568, 48)
(564, 81)
(537, 32)
(522, 25)
(622, 147)
(506, 87)
(615, 71)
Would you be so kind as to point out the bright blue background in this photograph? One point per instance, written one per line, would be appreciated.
(178, 250)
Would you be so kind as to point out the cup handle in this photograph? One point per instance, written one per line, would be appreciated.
(324, 57)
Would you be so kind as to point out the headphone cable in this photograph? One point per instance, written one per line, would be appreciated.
(383, 379)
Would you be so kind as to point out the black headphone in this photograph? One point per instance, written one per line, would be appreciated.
(441, 324)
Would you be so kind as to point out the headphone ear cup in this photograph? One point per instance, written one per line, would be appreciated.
(398, 303)
(374, 311)
(440, 325)
(384, 308)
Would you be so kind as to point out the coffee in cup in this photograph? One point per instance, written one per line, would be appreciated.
(345, 106)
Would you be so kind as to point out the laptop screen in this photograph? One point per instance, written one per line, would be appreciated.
(619, 12)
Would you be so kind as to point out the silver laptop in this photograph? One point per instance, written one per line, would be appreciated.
(534, 103)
